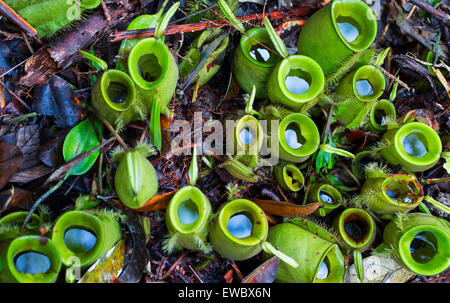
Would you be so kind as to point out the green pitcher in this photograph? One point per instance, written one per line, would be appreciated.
(337, 31)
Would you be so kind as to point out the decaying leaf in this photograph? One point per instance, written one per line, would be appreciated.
(376, 268)
(157, 202)
(15, 197)
(10, 161)
(137, 255)
(108, 267)
(265, 273)
(56, 98)
(286, 208)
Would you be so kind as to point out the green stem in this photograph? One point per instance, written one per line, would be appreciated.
(359, 265)
(269, 248)
(333, 150)
(424, 208)
(42, 198)
(437, 204)
(155, 124)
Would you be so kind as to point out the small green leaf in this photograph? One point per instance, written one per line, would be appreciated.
(193, 168)
(155, 124)
(446, 156)
(279, 45)
(99, 62)
(359, 266)
(438, 205)
(162, 24)
(269, 248)
(423, 208)
(382, 56)
(333, 150)
(80, 139)
(249, 105)
(207, 162)
(393, 93)
(226, 10)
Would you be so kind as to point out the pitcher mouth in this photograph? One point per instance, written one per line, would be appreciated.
(379, 113)
(402, 190)
(329, 197)
(256, 216)
(424, 250)
(248, 132)
(78, 219)
(308, 131)
(331, 266)
(357, 227)
(33, 244)
(249, 47)
(148, 63)
(119, 81)
(361, 16)
(311, 77)
(192, 200)
(418, 143)
(372, 76)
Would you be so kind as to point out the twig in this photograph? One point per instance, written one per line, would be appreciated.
(440, 15)
(193, 27)
(196, 274)
(394, 78)
(14, 95)
(105, 11)
(14, 17)
(113, 131)
(75, 161)
(207, 53)
(180, 258)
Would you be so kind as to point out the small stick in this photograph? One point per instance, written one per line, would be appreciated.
(113, 131)
(14, 95)
(392, 77)
(13, 16)
(180, 258)
(193, 27)
(440, 15)
(196, 274)
(105, 11)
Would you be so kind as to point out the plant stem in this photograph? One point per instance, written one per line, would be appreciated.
(193, 27)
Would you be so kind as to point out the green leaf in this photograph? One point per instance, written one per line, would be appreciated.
(193, 168)
(333, 150)
(269, 248)
(155, 124)
(162, 24)
(226, 10)
(359, 266)
(98, 62)
(382, 56)
(325, 160)
(80, 139)
(249, 105)
(393, 93)
(437, 204)
(446, 156)
(279, 45)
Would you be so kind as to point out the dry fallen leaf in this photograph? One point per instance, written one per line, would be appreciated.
(265, 273)
(286, 209)
(376, 268)
(108, 267)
